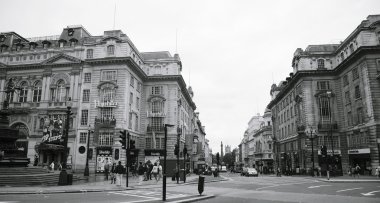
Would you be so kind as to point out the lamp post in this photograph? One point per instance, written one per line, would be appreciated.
(164, 169)
(310, 132)
(184, 163)
(179, 132)
(63, 173)
(329, 95)
(86, 169)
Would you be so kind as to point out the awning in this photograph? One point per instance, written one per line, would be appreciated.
(53, 147)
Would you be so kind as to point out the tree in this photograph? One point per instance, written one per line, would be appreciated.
(229, 159)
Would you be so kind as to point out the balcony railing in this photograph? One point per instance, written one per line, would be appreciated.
(157, 114)
(150, 129)
(327, 126)
(105, 122)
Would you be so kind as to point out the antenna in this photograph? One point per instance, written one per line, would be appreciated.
(114, 16)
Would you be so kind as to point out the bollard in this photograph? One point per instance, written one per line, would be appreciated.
(201, 184)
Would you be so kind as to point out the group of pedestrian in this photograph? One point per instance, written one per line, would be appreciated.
(355, 171)
(146, 170)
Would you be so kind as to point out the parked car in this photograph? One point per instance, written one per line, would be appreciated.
(251, 172)
(223, 169)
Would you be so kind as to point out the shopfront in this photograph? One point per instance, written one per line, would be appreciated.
(334, 164)
(103, 157)
(154, 155)
(360, 157)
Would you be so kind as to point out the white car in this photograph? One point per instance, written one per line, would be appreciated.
(223, 169)
(251, 172)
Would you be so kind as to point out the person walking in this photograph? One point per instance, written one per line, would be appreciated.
(155, 171)
(140, 172)
(159, 171)
(52, 166)
(145, 167)
(113, 175)
(377, 172)
(357, 170)
(119, 173)
(106, 169)
(150, 168)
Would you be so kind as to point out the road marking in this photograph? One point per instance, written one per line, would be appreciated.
(317, 186)
(281, 185)
(147, 200)
(128, 194)
(370, 193)
(350, 189)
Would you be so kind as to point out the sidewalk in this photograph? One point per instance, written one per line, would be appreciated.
(98, 184)
(344, 178)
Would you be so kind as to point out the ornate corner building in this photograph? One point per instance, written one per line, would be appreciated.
(331, 99)
(109, 84)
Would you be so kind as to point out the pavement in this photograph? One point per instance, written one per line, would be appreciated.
(97, 183)
(342, 179)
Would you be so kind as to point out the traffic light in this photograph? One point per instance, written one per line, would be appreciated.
(132, 144)
(123, 137)
(324, 150)
(176, 150)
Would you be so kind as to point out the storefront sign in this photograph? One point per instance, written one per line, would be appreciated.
(105, 104)
(154, 152)
(336, 151)
(104, 152)
(51, 137)
(359, 151)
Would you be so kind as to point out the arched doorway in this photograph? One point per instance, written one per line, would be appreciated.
(23, 135)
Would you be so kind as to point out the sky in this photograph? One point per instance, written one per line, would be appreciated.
(232, 51)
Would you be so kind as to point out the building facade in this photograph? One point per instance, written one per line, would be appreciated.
(333, 91)
(110, 86)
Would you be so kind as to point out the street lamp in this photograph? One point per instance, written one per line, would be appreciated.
(329, 95)
(63, 174)
(86, 169)
(184, 163)
(164, 170)
(310, 132)
(179, 132)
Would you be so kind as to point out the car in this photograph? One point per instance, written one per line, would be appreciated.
(223, 169)
(213, 168)
(251, 172)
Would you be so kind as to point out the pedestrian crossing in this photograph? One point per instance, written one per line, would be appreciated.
(145, 196)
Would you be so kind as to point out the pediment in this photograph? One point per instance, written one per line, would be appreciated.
(61, 59)
(2, 65)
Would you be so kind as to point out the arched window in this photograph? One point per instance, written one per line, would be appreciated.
(61, 91)
(23, 92)
(62, 43)
(321, 63)
(73, 42)
(37, 91)
(111, 50)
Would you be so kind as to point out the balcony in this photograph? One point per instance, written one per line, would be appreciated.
(105, 122)
(151, 129)
(301, 128)
(324, 127)
(157, 114)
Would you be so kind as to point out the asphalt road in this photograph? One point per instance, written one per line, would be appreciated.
(263, 189)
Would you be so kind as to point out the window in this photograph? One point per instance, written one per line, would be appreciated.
(61, 44)
(349, 118)
(61, 91)
(106, 139)
(130, 121)
(157, 70)
(45, 56)
(111, 50)
(108, 93)
(86, 95)
(321, 63)
(342, 56)
(132, 82)
(87, 77)
(345, 80)
(157, 90)
(355, 74)
(106, 113)
(157, 106)
(357, 92)
(84, 118)
(360, 115)
(137, 103)
(37, 91)
(138, 87)
(130, 98)
(42, 123)
(323, 85)
(90, 53)
(148, 143)
(108, 75)
(351, 48)
(156, 123)
(137, 123)
(324, 109)
(347, 97)
(83, 138)
(31, 57)
(23, 92)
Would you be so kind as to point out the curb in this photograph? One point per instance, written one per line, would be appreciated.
(349, 181)
(98, 190)
(195, 199)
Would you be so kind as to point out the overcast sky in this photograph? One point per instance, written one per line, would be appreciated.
(231, 51)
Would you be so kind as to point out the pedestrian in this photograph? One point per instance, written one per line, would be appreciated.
(155, 171)
(145, 168)
(278, 172)
(106, 169)
(140, 172)
(377, 172)
(52, 166)
(119, 173)
(113, 174)
(159, 171)
(357, 170)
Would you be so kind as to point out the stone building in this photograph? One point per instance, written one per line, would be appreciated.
(333, 89)
(109, 84)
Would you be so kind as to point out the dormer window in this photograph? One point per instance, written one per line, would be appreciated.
(73, 42)
(3, 48)
(45, 44)
(62, 43)
(18, 47)
(111, 50)
(2, 38)
(32, 45)
(321, 63)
